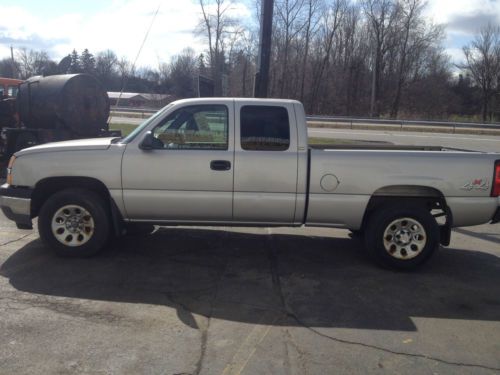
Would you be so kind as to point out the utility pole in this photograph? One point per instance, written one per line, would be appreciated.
(266, 30)
(12, 62)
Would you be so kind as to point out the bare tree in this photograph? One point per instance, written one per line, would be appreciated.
(8, 68)
(216, 25)
(182, 70)
(483, 62)
(32, 63)
(289, 23)
(381, 16)
(125, 69)
(313, 7)
(331, 22)
(414, 39)
(105, 66)
(241, 64)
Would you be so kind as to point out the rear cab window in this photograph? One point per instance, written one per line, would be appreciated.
(264, 128)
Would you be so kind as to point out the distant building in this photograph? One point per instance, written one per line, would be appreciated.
(9, 87)
(139, 100)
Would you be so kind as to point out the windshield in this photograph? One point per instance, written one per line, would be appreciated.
(136, 131)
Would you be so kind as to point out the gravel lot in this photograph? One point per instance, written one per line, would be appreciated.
(247, 301)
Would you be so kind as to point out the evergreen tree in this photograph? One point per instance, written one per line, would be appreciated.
(75, 66)
(87, 62)
(202, 68)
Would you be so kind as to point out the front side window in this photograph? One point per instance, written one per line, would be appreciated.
(264, 128)
(194, 127)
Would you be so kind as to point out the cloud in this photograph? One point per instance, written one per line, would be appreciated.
(464, 16)
(471, 23)
(462, 20)
(32, 41)
(456, 55)
(118, 25)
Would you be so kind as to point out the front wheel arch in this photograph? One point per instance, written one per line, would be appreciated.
(47, 187)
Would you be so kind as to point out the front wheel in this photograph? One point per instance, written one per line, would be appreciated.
(401, 237)
(74, 223)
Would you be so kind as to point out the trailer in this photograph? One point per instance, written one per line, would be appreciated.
(53, 108)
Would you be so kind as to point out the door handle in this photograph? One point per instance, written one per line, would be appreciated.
(220, 165)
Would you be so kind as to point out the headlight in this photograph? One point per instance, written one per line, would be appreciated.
(9, 169)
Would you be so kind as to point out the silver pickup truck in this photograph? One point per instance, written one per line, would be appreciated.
(246, 162)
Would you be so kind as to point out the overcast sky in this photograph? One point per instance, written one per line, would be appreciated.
(58, 26)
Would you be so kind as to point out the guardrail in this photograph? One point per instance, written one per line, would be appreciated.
(453, 125)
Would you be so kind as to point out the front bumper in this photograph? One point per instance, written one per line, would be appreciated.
(16, 205)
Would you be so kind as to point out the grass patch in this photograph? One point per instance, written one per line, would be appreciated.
(126, 129)
(331, 141)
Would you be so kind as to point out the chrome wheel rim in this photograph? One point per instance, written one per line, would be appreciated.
(72, 225)
(404, 238)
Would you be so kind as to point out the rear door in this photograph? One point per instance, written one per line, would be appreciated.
(266, 159)
(188, 176)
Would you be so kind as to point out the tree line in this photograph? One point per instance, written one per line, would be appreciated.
(377, 58)
(114, 73)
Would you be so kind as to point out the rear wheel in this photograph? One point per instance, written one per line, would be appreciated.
(74, 223)
(401, 237)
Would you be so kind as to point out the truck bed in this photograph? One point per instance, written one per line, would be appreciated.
(362, 145)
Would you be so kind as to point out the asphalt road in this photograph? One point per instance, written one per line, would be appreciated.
(247, 301)
(462, 141)
(126, 120)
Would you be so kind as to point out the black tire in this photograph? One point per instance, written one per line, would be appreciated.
(139, 229)
(356, 234)
(389, 250)
(94, 231)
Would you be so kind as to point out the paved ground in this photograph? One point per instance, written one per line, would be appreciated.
(252, 301)
(247, 301)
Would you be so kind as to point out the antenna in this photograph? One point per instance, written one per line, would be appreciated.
(136, 57)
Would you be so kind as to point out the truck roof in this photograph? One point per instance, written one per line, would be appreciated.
(250, 101)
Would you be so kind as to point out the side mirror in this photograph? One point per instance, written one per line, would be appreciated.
(147, 142)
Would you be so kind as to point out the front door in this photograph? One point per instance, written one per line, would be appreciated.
(188, 175)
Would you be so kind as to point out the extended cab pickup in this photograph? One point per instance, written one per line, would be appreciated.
(247, 162)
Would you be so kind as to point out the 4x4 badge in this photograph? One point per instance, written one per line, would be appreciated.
(477, 184)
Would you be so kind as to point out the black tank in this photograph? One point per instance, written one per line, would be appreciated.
(76, 103)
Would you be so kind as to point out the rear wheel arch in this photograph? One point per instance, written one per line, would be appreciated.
(416, 191)
(418, 196)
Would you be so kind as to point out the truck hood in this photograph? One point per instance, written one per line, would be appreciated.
(74, 145)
